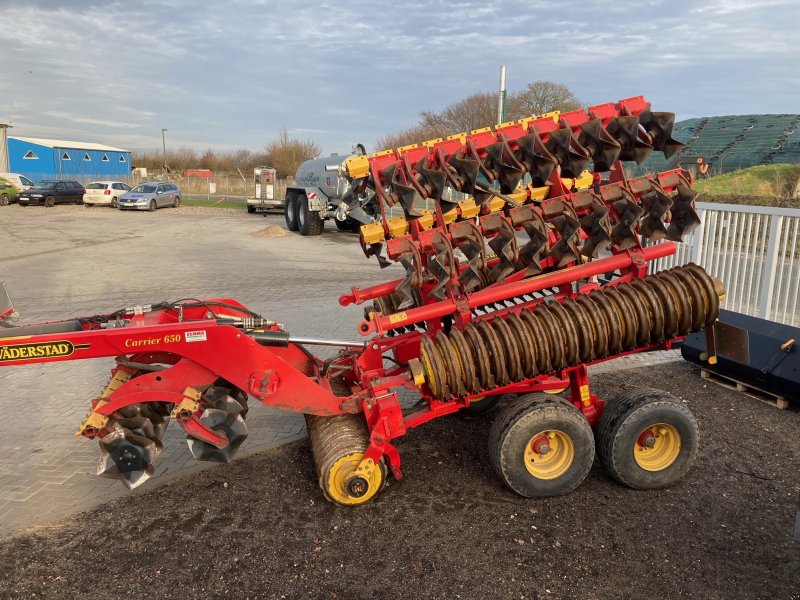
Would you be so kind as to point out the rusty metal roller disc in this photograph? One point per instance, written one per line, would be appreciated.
(695, 294)
(452, 365)
(654, 308)
(497, 354)
(434, 369)
(614, 325)
(669, 306)
(467, 366)
(642, 313)
(599, 324)
(584, 324)
(509, 342)
(712, 308)
(539, 337)
(481, 356)
(573, 333)
(627, 316)
(525, 344)
(555, 339)
(682, 299)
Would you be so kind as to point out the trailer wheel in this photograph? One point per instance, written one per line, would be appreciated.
(309, 222)
(646, 439)
(290, 211)
(541, 446)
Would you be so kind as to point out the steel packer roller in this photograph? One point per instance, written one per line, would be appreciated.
(507, 294)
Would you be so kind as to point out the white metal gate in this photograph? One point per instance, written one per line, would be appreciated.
(755, 250)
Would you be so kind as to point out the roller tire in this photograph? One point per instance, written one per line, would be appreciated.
(622, 421)
(309, 223)
(290, 211)
(518, 423)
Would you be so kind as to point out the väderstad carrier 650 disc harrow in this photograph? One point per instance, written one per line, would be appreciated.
(525, 249)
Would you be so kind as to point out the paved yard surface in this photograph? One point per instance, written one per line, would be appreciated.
(73, 261)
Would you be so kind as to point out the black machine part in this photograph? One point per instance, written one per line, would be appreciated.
(761, 353)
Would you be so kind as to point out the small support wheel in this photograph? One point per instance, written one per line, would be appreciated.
(646, 439)
(541, 446)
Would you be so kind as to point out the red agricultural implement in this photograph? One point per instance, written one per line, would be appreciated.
(536, 271)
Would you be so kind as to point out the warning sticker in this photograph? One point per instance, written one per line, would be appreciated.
(196, 336)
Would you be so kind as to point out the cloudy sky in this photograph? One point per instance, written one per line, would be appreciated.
(231, 74)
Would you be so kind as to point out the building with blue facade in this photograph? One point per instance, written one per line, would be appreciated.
(39, 158)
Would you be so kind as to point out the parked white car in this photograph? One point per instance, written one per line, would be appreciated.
(104, 193)
(20, 182)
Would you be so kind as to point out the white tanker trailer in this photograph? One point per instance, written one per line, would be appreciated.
(317, 193)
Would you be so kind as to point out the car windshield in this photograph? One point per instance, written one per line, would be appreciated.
(47, 185)
(96, 186)
(145, 188)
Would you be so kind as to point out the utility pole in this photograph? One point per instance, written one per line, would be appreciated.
(164, 146)
(501, 98)
(4, 127)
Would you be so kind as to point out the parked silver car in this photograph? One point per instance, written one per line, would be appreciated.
(150, 196)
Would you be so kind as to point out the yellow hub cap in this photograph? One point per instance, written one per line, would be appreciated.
(549, 454)
(657, 447)
(335, 485)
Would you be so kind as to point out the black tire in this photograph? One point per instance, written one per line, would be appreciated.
(251, 209)
(480, 407)
(88, 205)
(177, 202)
(23, 203)
(114, 202)
(309, 223)
(290, 211)
(152, 206)
(4, 200)
(348, 225)
(79, 200)
(49, 201)
(523, 422)
(641, 412)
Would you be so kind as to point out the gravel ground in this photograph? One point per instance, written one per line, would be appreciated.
(189, 210)
(259, 527)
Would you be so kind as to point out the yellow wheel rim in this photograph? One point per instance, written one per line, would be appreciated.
(335, 485)
(658, 451)
(549, 454)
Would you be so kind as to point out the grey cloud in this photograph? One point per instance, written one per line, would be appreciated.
(233, 74)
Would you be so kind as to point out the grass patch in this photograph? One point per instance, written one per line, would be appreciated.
(763, 181)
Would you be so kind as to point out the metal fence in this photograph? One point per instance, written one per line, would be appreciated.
(754, 250)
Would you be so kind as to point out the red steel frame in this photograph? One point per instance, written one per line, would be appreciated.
(196, 350)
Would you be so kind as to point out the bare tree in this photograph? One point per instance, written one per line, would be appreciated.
(480, 110)
(473, 112)
(286, 154)
(541, 97)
